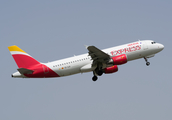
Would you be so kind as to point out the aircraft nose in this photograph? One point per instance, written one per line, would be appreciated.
(161, 46)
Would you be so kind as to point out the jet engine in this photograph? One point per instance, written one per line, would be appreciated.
(118, 60)
(111, 69)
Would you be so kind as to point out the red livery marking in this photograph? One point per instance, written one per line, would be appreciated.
(121, 51)
(28, 62)
(24, 61)
(41, 71)
(125, 50)
(112, 69)
(133, 44)
(138, 47)
(118, 52)
(112, 52)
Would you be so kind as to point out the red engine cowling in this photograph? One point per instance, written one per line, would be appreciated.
(111, 69)
(120, 59)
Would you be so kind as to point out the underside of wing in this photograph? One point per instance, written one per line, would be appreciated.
(98, 55)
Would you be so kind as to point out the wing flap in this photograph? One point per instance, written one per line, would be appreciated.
(96, 53)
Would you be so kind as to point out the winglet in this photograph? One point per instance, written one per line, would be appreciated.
(86, 46)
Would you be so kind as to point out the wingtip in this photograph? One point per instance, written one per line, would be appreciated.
(86, 46)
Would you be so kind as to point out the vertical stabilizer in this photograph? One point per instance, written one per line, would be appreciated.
(22, 59)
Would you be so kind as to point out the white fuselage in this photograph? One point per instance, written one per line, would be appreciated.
(82, 63)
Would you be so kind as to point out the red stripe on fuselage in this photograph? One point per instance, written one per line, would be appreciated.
(41, 71)
(28, 62)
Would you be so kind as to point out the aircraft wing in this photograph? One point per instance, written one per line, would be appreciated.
(97, 55)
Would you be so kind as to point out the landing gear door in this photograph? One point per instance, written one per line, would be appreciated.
(145, 46)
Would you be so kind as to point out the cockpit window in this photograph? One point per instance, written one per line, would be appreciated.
(153, 42)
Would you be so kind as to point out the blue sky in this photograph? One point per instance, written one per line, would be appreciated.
(52, 30)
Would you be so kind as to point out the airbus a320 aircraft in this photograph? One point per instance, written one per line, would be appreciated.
(99, 61)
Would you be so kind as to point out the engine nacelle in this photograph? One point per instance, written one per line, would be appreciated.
(111, 69)
(118, 60)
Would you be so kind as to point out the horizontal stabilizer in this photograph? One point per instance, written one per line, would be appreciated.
(25, 71)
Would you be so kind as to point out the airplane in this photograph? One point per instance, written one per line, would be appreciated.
(98, 61)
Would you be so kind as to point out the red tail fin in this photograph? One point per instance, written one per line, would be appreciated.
(22, 59)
